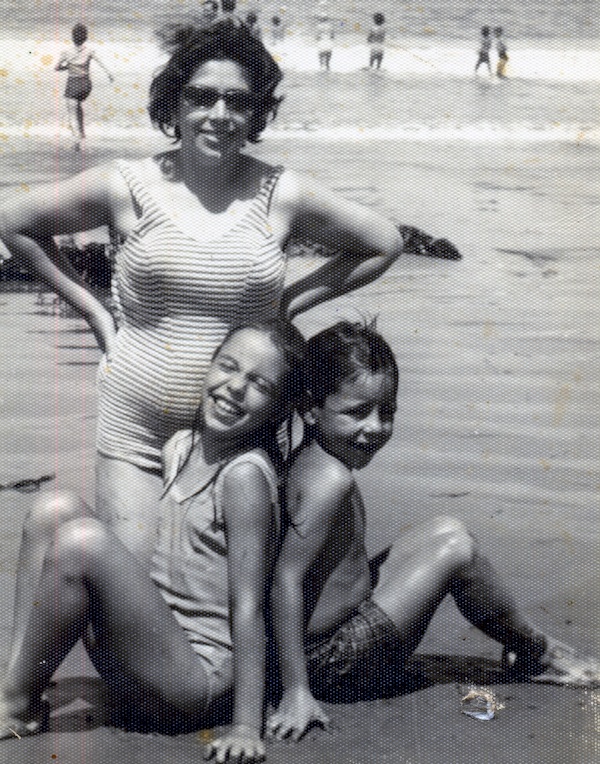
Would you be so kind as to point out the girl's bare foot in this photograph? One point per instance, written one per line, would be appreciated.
(17, 725)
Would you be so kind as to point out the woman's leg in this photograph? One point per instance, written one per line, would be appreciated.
(89, 577)
(127, 501)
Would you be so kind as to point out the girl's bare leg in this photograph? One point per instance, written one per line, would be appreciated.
(90, 577)
(48, 512)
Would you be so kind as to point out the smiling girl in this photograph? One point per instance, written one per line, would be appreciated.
(172, 647)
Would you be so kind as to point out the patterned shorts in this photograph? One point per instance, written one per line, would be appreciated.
(360, 655)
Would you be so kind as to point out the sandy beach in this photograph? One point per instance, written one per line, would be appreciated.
(498, 424)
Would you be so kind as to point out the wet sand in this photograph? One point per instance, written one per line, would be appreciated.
(498, 424)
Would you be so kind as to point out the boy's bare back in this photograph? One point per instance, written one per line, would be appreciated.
(327, 513)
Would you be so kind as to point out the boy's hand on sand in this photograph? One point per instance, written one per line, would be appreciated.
(297, 712)
(239, 744)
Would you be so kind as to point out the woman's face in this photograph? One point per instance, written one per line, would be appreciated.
(215, 111)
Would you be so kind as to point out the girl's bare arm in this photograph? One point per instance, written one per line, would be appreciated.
(251, 539)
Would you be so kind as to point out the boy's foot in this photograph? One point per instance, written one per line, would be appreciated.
(12, 727)
(560, 664)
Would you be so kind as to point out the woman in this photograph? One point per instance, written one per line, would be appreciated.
(203, 227)
(76, 61)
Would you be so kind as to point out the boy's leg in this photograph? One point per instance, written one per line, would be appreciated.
(417, 574)
(440, 557)
(89, 576)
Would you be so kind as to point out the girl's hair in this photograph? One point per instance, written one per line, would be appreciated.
(378, 18)
(292, 345)
(190, 47)
(343, 352)
(79, 34)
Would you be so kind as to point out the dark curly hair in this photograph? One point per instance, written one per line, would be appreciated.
(190, 47)
(342, 352)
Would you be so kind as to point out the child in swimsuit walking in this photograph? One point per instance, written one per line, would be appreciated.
(336, 632)
(173, 645)
(76, 61)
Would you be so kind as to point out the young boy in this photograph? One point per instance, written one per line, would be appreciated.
(332, 628)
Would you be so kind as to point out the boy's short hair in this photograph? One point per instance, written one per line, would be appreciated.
(343, 352)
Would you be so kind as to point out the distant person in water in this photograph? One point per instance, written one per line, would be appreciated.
(277, 30)
(252, 24)
(76, 62)
(325, 36)
(502, 53)
(376, 40)
(210, 12)
(484, 50)
(228, 12)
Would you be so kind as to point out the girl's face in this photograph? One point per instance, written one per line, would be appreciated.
(215, 110)
(357, 420)
(243, 384)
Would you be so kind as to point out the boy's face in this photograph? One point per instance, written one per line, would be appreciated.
(357, 420)
(242, 386)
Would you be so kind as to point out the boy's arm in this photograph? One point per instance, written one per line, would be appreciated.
(314, 512)
(250, 529)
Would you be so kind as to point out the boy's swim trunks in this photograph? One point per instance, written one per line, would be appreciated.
(367, 640)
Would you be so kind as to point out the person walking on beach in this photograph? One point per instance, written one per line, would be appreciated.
(172, 646)
(502, 53)
(376, 39)
(202, 227)
(483, 56)
(325, 35)
(345, 626)
(76, 62)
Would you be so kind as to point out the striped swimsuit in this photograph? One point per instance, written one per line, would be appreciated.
(176, 298)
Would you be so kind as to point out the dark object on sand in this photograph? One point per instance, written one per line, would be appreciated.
(418, 242)
(29, 485)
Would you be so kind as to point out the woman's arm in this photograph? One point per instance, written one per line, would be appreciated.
(367, 242)
(251, 545)
(31, 218)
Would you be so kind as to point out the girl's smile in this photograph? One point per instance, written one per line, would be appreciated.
(242, 384)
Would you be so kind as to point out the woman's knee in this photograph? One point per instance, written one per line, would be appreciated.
(51, 510)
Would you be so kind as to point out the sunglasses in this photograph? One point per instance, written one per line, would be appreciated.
(240, 101)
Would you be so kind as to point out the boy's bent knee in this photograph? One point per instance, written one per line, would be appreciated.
(455, 537)
(52, 509)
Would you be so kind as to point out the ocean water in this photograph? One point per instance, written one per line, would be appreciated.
(427, 90)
